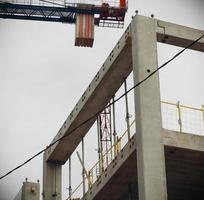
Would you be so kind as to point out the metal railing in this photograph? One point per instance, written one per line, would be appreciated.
(52, 3)
(102, 164)
(175, 117)
(178, 117)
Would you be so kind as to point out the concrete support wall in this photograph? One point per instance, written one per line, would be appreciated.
(52, 180)
(150, 149)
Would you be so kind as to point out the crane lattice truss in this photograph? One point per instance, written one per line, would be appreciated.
(104, 138)
(53, 11)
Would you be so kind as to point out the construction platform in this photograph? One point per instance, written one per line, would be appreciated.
(184, 158)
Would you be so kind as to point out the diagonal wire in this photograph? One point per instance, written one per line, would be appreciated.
(96, 114)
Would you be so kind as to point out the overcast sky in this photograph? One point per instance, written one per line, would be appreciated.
(42, 76)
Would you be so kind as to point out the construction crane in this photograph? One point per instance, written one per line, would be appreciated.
(84, 15)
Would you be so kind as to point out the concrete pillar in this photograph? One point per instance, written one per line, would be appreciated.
(150, 149)
(52, 180)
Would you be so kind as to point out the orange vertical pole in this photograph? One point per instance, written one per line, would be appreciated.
(123, 3)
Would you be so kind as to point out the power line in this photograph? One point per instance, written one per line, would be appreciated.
(96, 114)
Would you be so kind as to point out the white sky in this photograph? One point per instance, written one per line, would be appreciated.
(42, 76)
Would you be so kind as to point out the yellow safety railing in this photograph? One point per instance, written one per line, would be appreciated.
(180, 113)
(178, 117)
(115, 148)
(92, 177)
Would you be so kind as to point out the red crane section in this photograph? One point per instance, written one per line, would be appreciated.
(122, 3)
(85, 15)
(109, 16)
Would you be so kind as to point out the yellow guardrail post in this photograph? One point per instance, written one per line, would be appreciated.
(90, 179)
(118, 145)
(179, 115)
(115, 149)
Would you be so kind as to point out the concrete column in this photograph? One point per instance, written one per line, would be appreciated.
(52, 180)
(150, 149)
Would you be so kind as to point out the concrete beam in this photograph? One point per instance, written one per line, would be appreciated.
(105, 84)
(178, 35)
(150, 148)
(183, 140)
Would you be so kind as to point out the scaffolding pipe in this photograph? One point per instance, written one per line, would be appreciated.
(111, 142)
(127, 110)
(70, 183)
(106, 137)
(114, 128)
(83, 169)
(88, 174)
(179, 116)
(99, 146)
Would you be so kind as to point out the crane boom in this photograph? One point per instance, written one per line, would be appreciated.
(84, 15)
(105, 15)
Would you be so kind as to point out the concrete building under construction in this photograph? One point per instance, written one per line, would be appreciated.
(154, 163)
